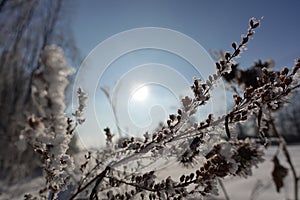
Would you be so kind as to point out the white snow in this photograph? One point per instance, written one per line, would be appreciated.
(237, 187)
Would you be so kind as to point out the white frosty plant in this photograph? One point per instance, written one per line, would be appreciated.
(49, 131)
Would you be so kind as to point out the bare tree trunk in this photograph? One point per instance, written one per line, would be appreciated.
(2, 4)
(51, 20)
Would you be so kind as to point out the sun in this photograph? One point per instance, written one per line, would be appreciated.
(141, 94)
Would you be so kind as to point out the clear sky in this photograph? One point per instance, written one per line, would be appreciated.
(213, 24)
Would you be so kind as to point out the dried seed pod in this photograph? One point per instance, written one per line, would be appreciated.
(234, 46)
(179, 117)
(179, 111)
(285, 71)
(245, 39)
(237, 99)
(288, 80)
(192, 175)
(172, 117)
(227, 55)
(169, 122)
(182, 178)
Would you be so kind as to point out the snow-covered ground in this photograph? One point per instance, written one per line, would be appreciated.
(239, 188)
(260, 186)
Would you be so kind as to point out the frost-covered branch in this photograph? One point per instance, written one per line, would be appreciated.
(205, 152)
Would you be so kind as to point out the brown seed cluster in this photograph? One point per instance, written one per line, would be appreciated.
(246, 155)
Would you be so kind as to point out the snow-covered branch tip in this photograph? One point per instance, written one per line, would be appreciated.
(82, 100)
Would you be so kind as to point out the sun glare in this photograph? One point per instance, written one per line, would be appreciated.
(141, 94)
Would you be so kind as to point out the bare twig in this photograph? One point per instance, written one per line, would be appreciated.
(287, 156)
(223, 189)
(98, 180)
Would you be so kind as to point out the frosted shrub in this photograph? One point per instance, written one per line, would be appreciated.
(202, 154)
(49, 131)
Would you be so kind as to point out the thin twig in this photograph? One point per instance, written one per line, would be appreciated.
(223, 189)
(97, 178)
(287, 156)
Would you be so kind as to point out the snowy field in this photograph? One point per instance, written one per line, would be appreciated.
(260, 186)
(238, 188)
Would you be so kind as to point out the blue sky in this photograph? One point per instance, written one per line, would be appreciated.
(213, 24)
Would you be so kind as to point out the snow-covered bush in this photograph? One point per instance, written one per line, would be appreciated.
(49, 131)
(195, 158)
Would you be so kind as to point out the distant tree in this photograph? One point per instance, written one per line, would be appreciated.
(27, 26)
(288, 121)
